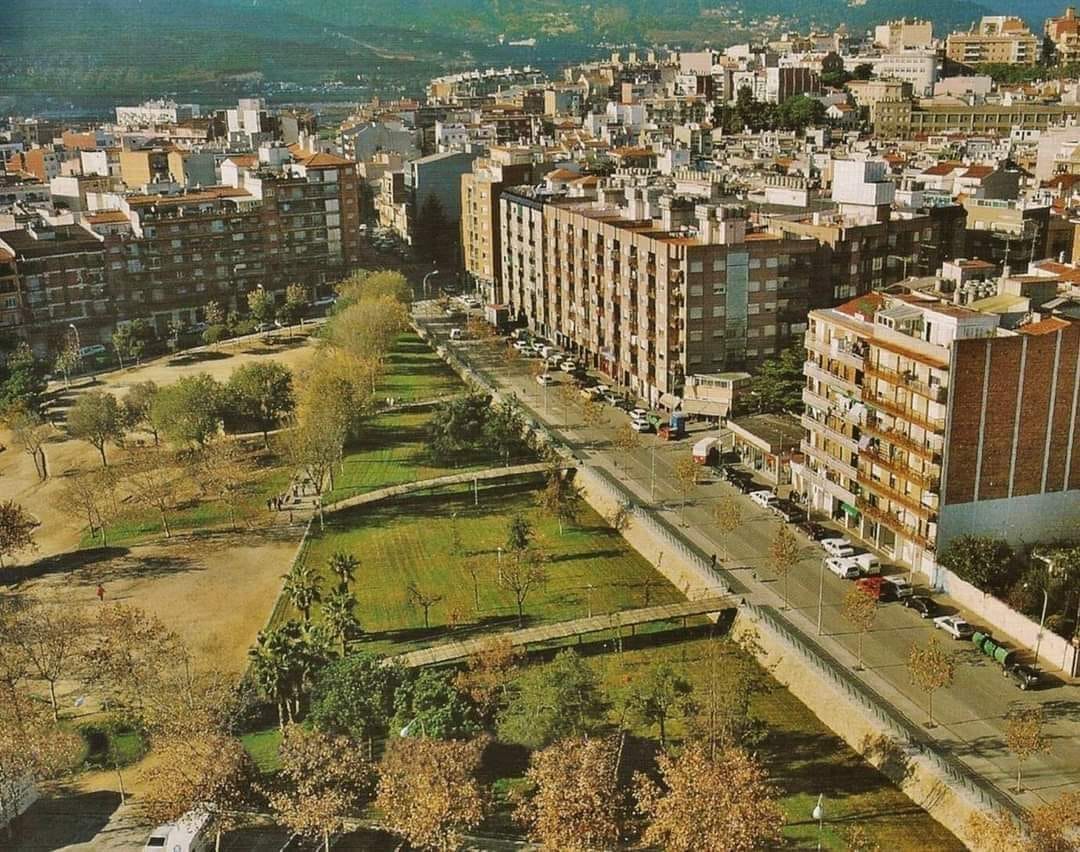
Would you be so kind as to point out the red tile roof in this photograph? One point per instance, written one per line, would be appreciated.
(1046, 326)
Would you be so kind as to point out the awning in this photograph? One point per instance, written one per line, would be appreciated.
(850, 510)
(707, 407)
(669, 401)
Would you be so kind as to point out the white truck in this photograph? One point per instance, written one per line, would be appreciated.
(190, 833)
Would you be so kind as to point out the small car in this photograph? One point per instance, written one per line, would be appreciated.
(843, 568)
(545, 379)
(522, 346)
(638, 414)
(763, 498)
(901, 588)
(788, 511)
(746, 485)
(456, 334)
(814, 530)
(954, 625)
(839, 547)
(641, 425)
(568, 365)
(1024, 675)
(611, 398)
(924, 606)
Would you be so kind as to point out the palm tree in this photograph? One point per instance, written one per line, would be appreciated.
(273, 665)
(343, 565)
(338, 616)
(302, 589)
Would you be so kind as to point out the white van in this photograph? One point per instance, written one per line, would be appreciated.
(456, 334)
(869, 564)
(190, 833)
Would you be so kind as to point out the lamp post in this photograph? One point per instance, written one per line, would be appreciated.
(652, 469)
(1049, 563)
(819, 815)
(820, 594)
(425, 282)
(78, 344)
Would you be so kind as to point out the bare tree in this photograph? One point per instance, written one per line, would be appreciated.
(152, 478)
(30, 432)
(860, 609)
(930, 668)
(727, 514)
(91, 495)
(52, 637)
(1025, 737)
(686, 474)
(523, 576)
(784, 551)
(417, 597)
(626, 441)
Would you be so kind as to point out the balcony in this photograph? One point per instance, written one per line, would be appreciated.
(937, 393)
(899, 439)
(836, 350)
(829, 482)
(815, 400)
(872, 455)
(894, 523)
(830, 462)
(895, 495)
(830, 432)
(903, 412)
(822, 375)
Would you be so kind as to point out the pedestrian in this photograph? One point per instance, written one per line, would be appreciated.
(269, 504)
(101, 593)
(714, 562)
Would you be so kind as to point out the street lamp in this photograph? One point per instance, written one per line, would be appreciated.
(1049, 563)
(78, 345)
(820, 594)
(652, 468)
(425, 282)
(819, 815)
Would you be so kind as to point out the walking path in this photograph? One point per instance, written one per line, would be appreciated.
(457, 649)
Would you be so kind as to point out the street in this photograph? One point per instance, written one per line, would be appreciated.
(970, 714)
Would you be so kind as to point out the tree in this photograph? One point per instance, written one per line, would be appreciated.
(151, 477)
(487, 675)
(622, 516)
(504, 429)
(727, 514)
(364, 284)
(261, 305)
(799, 112)
(52, 638)
(686, 474)
(860, 609)
(261, 394)
(189, 411)
(626, 442)
(561, 498)
(722, 698)
(138, 405)
(29, 431)
(285, 662)
(930, 668)
(716, 803)
(459, 426)
(662, 693)
(22, 381)
(784, 550)
(96, 418)
(983, 561)
(367, 328)
(207, 771)
(575, 801)
(222, 468)
(425, 600)
(1049, 828)
(430, 705)
(354, 696)
(302, 589)
(1025, 737)
(519, 535)
(428, 790)
(16, 529)
(327, 780)
(67, 361)
(339, 616)
(551, 702)
(343, 566)
(777, 386)
(296, 301)
(523, 575)
(129, 341)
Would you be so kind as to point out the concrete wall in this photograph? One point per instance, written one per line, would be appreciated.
(1019, 520)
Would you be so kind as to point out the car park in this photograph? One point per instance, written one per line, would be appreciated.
(924, 606)
(815, 531)
(1023, 675)
(839, 547)
(763, 498)
(545, 379)
(955, 626)
(843, 568)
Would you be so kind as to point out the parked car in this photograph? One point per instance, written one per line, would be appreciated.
(876, 588)
(1024, 675)
(554, 362)
(641, 425)
(924, 606)
(568, 365)
(955, 626)
(746, 485)
(839, 547)
(623, 404)
(868, 564)
(788, 511)
(638, 414)
(901, 587)
(587, 392)
(814, 530)
(610, 397)
(545, 379)
(763, 498)
(843, 568)
(522, 346)
(456, 334)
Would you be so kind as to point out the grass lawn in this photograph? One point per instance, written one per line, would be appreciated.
(414, 372)
(197, 514)
(411, 541)
(263, 747)
(805, 758)
(391, 450)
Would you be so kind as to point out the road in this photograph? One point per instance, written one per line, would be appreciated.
(970, 714)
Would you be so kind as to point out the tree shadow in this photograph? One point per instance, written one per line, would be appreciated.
(62, 820)
(589, 554)
(62, 563)
(189, 358)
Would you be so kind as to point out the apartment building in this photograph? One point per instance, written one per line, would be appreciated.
(1064, 33)
(650, 288)
(905, 34)
(998, 39)
(906, 120)
(925, 421)
(11, 300)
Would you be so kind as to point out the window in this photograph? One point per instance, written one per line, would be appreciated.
(695, 335)
(755, 263)
(771, 284)
(878, 264)
(719, 265)
(719, 289)
(770, 263)
(696, 313)
(697, 290)
(718, 310)
(696, 266)
(753, 286)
